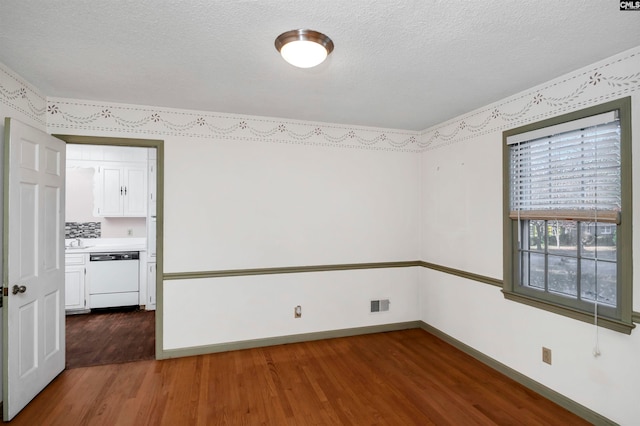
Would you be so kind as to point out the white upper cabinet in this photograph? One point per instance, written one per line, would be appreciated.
(79, 152)
(117, 153)
(121, 184)
(121, 190)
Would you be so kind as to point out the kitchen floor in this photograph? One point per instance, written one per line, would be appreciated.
(109, 337)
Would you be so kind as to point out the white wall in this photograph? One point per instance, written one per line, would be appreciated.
(25, 103)
(461, 212)
(461, 227)
(79, 194)
(233, 205)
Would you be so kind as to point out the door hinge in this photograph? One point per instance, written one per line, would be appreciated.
(6, 291)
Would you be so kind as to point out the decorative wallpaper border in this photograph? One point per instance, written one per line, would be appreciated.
(21, 96)
(613, 78)
(107, 118)
(610, 79)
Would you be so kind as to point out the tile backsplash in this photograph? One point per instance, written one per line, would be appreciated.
(82, 229)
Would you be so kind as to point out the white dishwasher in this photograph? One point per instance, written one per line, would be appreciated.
(114, 279)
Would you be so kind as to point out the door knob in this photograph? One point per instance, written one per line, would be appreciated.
(19, 289)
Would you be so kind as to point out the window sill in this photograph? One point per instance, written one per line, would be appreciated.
(619, 326)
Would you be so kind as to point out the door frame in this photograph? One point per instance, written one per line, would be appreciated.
(159, 146)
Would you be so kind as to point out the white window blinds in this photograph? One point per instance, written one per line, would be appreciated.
(570, 171)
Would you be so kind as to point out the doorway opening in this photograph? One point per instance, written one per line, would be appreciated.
(113, 217)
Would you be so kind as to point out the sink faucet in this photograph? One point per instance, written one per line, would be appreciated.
(79, 242)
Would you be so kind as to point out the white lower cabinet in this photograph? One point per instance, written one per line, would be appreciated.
(74, 281)
(151, 286)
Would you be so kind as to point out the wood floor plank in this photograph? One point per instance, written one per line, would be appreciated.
(405, 377)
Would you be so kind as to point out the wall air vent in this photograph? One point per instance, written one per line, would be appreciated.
(381, 305)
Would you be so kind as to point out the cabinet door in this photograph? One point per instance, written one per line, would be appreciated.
(151, 286)
(135, 192)
(110, 191)
(121, 191)
(152, 187)
(74, 288)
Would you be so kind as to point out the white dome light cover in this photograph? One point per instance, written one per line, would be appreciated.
(304, 48)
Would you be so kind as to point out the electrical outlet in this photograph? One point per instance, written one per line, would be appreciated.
(546, 355)
(297, 312)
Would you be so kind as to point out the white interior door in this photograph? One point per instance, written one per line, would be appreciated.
(33, 326)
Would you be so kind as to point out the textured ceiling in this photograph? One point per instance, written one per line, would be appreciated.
(397, 64)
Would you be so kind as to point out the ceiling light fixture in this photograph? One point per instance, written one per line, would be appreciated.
(304, 48)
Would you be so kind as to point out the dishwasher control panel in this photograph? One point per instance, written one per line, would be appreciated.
(120, 255)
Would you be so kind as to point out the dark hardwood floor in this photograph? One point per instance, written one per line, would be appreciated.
(398, 378)
(109, 337)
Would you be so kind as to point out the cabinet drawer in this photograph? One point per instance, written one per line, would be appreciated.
(74, 259)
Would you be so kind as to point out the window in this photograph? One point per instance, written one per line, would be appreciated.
(567, 220)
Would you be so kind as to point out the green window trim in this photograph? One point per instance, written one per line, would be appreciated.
(624, 321)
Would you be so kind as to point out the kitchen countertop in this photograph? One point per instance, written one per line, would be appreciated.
(94, 245)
